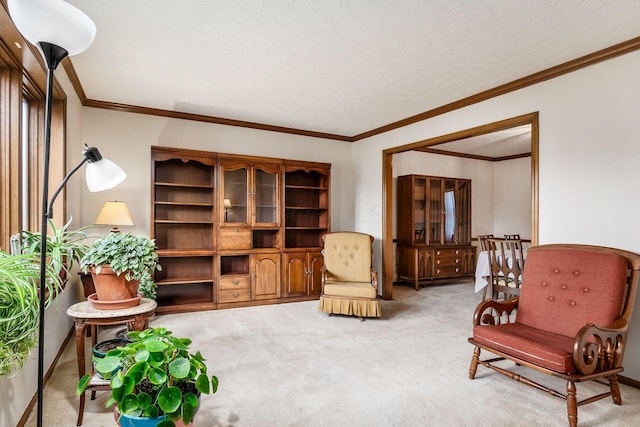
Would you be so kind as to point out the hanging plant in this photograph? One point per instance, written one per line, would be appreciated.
(19, 306)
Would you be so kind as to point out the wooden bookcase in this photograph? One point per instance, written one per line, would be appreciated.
(228, 226)
(434, 229)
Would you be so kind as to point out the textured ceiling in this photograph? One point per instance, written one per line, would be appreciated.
(335, 66)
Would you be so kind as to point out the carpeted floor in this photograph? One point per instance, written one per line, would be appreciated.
(289, 365)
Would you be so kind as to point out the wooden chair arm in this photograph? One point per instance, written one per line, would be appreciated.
(491, 312)
(374, 278)
(597, 349)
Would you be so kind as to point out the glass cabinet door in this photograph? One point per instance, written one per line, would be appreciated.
(436, 207)
(266, 195)
(464, 212)
(419, 210)
(449, 211)
(235, 194)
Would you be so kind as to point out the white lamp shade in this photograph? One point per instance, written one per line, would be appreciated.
(227, 203)
(53, 21)
(114, 213)
(103, 175)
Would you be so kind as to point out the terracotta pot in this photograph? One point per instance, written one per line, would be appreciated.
(111, 287)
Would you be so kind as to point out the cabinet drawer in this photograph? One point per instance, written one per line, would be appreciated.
(447, 253)
(234, 295)
(447, 262)
(447, 271)
(234, 282)
(235, 238)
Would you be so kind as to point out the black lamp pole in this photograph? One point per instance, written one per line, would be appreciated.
(53, 54)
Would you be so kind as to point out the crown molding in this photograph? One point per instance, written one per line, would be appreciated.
(541, 76)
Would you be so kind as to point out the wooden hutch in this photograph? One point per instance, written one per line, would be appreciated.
(434, 229)
(236, 230)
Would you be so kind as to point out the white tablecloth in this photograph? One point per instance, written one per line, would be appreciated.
(483, 269)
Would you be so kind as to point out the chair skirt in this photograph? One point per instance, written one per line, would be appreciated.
(350, 307)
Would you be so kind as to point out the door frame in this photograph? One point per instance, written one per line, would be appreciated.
(387, 183)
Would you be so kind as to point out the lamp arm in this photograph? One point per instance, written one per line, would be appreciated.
(62, 184)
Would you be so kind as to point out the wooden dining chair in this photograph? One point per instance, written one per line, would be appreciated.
(514, 237)
(506, 260)
(482, 238)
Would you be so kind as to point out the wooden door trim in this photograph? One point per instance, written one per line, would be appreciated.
(387, 183)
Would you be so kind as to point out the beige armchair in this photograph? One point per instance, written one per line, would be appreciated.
(349, 281)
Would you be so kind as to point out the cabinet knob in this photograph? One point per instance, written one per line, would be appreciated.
(235, 282)
(235, 295)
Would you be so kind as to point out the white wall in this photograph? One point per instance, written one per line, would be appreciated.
(512, 198)
(589, 155)
(126, 139)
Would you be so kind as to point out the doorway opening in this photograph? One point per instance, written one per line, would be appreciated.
(530, 119)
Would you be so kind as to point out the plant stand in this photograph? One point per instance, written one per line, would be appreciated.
(84, 314)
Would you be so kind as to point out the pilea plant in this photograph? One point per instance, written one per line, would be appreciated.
(159, 377)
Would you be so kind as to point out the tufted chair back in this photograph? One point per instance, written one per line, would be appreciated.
(347, 255)
(565, 288)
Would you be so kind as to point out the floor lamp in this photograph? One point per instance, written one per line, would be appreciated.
(58, 29)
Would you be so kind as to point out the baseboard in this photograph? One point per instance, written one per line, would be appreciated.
(628, 381)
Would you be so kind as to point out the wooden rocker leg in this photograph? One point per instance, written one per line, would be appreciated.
(572, 404)
(474, 363)
(615, 389)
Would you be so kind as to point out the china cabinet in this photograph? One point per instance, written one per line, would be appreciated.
(227, 225)
(434, 229)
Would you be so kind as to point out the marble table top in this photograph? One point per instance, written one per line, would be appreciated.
(86, 310)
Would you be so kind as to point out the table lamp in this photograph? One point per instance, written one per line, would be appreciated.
(114, 213)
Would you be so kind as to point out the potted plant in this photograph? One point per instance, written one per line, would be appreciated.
(159, 382)
(64, 247)
(19, 306)
(117, 262)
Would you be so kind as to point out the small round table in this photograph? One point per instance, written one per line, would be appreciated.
(85, 314)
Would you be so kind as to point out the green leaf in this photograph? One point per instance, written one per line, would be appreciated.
(169, 399)
(187, 411)
(214, 384)
(157, 376)
(137, 372)
(145, 400)
(82, 384)
(179, 368)
(142, 355)
(156, 359)
(129, 404)
(155, 346)
(108, 364)
(202, 384)
(166, 423)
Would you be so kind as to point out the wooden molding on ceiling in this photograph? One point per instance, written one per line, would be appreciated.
(547, 74)
(75, 81)
(209, 119)
(473, 156)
